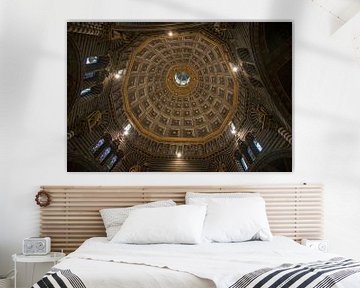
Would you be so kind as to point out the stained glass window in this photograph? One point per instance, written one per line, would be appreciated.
(85, 91)
(127, 129)
(232, 128)
(251, 154)
(244, 164)
(104, 154)
(257, 145)
(89, 75)
(92, 60)
(98, 145)
(112, 162)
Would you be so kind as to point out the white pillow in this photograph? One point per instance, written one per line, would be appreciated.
(180, 224)
(113, 218)
(204, 198)
(236, 220)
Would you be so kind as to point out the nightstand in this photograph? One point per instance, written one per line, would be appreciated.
(53, 257)
(320, 245)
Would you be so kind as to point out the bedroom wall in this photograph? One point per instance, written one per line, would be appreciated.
(33, 108)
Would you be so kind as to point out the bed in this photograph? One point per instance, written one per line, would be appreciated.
(280, 262)
(99, 263)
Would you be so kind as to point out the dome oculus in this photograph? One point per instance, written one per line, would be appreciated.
(182, 78)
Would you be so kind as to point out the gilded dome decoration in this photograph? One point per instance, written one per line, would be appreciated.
(180, 89)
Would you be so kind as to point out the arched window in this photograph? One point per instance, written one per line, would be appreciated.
(89, 75)
(92, 60)
(104, 154)
(85, 92)
(257, 145)
(127, 129)
(244, 164)
(98, 145)
(232, 128)
(112, 161)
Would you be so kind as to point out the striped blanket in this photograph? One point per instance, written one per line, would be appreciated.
(59, 278)
(320, 274)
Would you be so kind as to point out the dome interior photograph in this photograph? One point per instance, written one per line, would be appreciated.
(179, 96)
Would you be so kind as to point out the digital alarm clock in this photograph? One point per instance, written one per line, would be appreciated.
(36, 246)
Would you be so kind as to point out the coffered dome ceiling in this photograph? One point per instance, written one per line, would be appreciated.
(180, 89)
(160, 96)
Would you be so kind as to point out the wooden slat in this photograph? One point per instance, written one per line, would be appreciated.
(73, 216)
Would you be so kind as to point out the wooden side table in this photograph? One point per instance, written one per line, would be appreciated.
(53, 257)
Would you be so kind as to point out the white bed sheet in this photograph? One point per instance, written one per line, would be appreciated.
(101, 274)
(100, 263)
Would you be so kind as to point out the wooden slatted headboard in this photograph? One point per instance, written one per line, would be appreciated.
(73, 215)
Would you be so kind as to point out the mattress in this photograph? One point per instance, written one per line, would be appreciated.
(99, 263)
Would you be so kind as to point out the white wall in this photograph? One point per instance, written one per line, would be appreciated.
(33, 108)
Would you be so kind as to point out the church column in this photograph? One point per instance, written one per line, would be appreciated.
(236, 159)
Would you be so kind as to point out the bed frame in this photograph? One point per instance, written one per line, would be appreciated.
(73, 215)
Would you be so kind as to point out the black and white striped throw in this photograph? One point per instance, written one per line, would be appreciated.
(320, 274)
(59, 278)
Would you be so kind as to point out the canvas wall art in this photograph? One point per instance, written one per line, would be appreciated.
(179, 96)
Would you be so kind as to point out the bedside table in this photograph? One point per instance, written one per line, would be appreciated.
(53, 257)
(320, 245)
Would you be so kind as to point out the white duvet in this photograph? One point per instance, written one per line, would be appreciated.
(100, 263)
